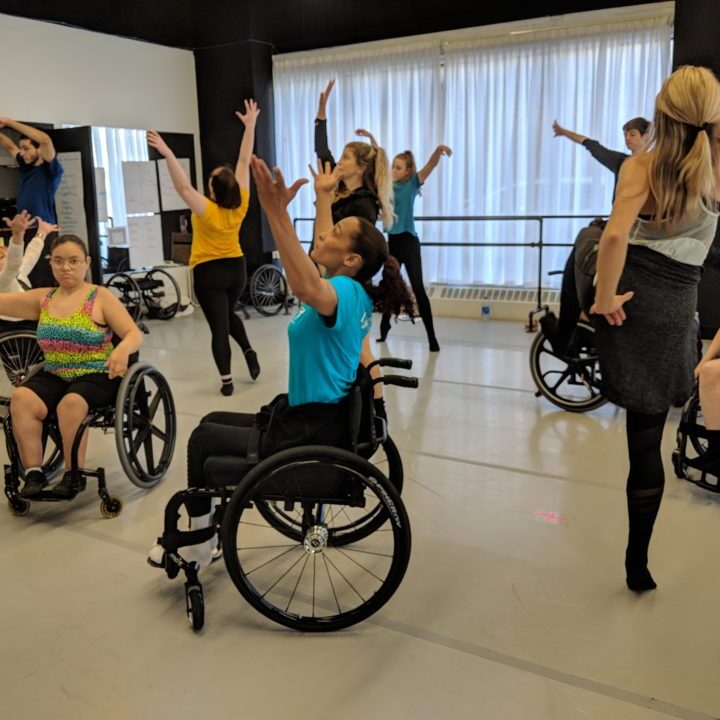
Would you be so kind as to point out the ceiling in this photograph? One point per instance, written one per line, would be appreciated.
(289, 25)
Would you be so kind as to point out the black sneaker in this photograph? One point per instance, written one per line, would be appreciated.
(65, 489)
(35, 483)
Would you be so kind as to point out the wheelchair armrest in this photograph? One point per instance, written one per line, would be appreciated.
(398, 363)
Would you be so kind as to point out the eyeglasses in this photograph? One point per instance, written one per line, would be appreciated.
(73, 262)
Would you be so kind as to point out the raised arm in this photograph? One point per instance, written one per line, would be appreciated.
(321, 143)
(46, 149)
(560, 131)
(633, 191)
(326, 181)
(192, 198)
(367, 134)
(8, 144)
(35, 247)
(19, 225)
(433, 161)
(302, 274)
(249, 120)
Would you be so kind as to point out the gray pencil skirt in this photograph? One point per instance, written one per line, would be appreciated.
(647, 363)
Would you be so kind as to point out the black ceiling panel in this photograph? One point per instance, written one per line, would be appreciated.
(289, 25)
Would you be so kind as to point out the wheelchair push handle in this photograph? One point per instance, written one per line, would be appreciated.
(398, 363)
(399, 380)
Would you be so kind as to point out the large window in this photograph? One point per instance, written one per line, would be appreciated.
(493, 102)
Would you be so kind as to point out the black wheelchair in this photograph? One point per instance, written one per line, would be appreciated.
(143, 419)
(316, 538)
(692, 446)
(571, 381)
(267, 292)
(155, 292)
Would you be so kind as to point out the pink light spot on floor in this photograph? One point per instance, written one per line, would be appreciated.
(551, 518)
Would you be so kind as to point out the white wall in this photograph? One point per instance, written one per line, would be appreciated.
(57, 75)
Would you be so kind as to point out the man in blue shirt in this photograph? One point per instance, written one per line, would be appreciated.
(40, 174)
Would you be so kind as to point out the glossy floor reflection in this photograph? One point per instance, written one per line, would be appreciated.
(514, 605)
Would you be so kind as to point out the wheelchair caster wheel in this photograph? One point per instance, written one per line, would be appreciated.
(679, 466)
(195, 607)
(111, 507)
(19, 507)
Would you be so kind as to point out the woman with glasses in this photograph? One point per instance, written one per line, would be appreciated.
(82, 370)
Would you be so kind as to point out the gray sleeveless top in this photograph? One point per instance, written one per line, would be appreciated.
(688, 242)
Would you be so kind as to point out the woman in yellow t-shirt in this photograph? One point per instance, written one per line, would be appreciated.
(217, 261)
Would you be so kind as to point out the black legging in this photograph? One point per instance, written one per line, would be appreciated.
(645, 484)
(569, 305)
(218, 284)
(405, 247)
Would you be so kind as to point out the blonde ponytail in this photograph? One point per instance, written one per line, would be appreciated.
(684, 165)
(383, 183)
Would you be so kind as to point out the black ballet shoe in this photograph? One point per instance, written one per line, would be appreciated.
(434, 346)
(382, 338)
(640, 580)
(252, 363)
(227, 388)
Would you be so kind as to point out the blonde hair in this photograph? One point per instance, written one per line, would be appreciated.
(376, 178)
(683, 167)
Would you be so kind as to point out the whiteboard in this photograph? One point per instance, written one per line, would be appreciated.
(101, 194)
(141, 189)
(70, 198)
(145, 241)
(168, 197)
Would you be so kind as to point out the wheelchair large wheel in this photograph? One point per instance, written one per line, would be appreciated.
(124, 287)
(161, 294)
(20, 355)
(571, 383)
(145, 425)
(353, 523)
(309, 584)
(268, 290)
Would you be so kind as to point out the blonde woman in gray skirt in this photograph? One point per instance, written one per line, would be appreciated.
(649, 262)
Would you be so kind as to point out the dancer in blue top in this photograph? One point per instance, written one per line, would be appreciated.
(402, 238)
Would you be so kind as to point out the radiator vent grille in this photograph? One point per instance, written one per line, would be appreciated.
(492, 294)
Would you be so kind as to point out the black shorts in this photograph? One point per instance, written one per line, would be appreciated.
(97, 389)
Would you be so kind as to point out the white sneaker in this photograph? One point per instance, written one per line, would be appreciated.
(156, 556)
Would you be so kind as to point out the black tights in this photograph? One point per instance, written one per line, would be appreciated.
(405, 247)
(645, 484)
(218, 284)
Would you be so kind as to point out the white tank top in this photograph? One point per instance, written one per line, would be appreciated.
(688, 242)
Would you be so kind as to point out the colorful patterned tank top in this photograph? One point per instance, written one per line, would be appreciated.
(75, 345)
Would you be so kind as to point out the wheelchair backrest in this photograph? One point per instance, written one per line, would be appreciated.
(362, 411)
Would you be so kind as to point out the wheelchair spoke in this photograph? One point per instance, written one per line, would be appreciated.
(360, 565)
(304, 555)
(265, 547)
(349, 548)
(332, 585)
(287, 608)
(152, 409)
(339, 572)
(277, 557)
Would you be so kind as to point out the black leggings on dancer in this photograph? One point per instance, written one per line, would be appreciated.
(405, 247)
(218, 284)
(645, 485)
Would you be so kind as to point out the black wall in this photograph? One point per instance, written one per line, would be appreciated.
(226, 75)
(697, 27)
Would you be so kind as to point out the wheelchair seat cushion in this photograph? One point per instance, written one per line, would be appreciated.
(97, 389)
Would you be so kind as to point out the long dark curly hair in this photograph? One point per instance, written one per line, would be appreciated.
(392, 295)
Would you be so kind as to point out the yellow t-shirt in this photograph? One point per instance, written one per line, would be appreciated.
(215, 232)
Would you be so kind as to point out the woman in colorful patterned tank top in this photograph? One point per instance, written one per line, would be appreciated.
(82, 370)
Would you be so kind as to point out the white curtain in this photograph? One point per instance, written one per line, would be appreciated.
(394, 93)
(493, 102)
(111, 147)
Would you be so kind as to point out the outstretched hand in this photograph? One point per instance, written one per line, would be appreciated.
(325, 179)
(324, 95)
(45, 228)
(154, 140)
(20, 223)
(558, 129)
(251, 113)
(444, 150)
(613, 311)
(273, 193)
